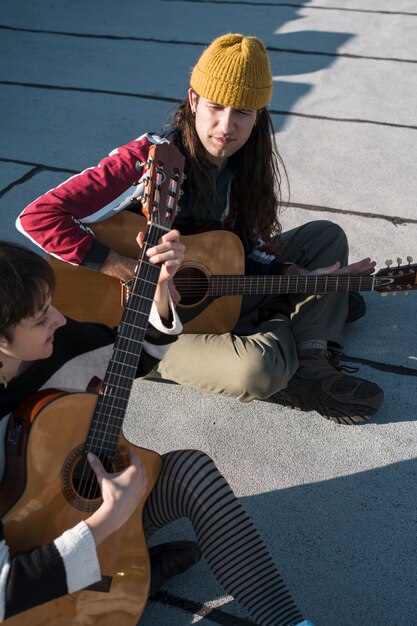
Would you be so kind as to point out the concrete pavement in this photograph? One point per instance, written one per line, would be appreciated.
(335, 504)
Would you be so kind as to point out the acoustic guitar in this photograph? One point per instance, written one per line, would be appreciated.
(210, 300)
(49, 485)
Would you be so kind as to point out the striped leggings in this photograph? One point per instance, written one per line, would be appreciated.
(191, 486)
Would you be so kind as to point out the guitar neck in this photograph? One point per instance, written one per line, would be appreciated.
(226, 285)
(117, 384)
(161, 181)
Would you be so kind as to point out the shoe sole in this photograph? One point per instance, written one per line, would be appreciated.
(335, 416)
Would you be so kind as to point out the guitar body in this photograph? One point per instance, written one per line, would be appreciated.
(204, 313)
(90, 296)
(48, 501)
(206, 306)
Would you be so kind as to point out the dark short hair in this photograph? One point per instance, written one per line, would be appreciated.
(26, 280)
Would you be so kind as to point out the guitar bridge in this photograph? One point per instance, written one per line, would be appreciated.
(102, 585)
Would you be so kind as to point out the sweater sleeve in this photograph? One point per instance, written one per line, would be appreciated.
(159, 337)
(79, 346)
(58, 220)
(78, 552)
(30, 578)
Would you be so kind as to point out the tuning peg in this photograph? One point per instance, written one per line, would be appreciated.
(394, 293)
(383, 293)
(399, 261)
(405, 292)
(410, 259)
(146, 164)
(144, 180)
(388, 262)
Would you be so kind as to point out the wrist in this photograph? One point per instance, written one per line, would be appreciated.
(118, 266)
(161, 300)
(108, 518)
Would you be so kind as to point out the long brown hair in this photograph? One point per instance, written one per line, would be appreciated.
(259, 169)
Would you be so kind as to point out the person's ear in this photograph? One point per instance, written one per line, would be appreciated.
(258, 115)
(192, 99)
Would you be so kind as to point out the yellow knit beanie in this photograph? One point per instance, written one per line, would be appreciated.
(234, 71)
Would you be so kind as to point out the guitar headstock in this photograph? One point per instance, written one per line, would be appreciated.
(399, 278)
(162, 180)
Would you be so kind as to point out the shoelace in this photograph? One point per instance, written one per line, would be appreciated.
(334, 360)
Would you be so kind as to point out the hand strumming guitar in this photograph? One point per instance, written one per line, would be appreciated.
(121, 494)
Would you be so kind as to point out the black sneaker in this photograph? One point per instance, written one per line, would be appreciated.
(320, 385)
(169, 560)
(356, 307)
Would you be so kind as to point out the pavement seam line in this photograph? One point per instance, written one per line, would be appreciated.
(397, 221)
(394, 219)
(347, 55)
(177, 100)
(377, 365)
(19, 181)
(198, 608)
(300, 6)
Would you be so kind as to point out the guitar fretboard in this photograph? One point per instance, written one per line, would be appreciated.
(280, 284)
(117, 384)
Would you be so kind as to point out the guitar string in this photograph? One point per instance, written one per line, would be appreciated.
(88, 481)
(250, 285)
(108, 401)
(146, 293)
(234, 284)
(149, 280)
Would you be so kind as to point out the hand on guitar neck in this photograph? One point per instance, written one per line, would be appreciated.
(360, 268)
(169, 252)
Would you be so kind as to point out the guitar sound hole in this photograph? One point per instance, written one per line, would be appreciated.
(192, 284)
(84, 479)
(79, 483)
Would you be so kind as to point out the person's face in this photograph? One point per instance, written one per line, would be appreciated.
(222, 130)
(33, 336)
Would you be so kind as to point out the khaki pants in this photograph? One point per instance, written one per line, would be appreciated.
(259, 357)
